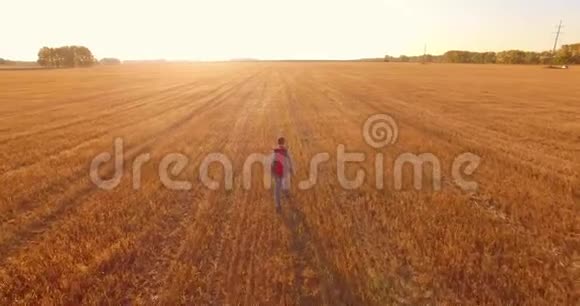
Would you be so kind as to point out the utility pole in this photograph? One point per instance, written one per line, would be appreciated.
(557, 37)
(425, 54)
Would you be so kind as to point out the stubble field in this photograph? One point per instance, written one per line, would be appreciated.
(516, 240)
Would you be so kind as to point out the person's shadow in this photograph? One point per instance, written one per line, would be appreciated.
(334, 289)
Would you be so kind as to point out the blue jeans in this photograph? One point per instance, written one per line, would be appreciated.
(279, 185)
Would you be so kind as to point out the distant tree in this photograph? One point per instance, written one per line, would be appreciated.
(562, 57)
(110, 61)
(2, 61)
(502, 57)
(511, 57)
(567, 54)
(476, 57)
(532, 58)
(83, 56)
(44, 57)
(456, 56)
(546, 57)
(489, 58)
(575, 53)
(67, 56)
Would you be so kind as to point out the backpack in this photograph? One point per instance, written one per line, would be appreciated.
(278, 163)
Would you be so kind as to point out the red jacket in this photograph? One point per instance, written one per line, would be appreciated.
(281, 162)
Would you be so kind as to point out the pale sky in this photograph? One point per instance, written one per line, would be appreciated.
(281, 29)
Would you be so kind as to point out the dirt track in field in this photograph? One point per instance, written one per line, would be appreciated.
(516, 240)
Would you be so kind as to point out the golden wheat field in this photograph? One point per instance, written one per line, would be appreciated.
(515, 240)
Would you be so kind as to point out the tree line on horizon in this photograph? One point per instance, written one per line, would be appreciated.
(71, 56)
(80, 56)
(566, 55)
(66, 56)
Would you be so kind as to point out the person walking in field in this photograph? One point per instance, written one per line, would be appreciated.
(281, 171)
